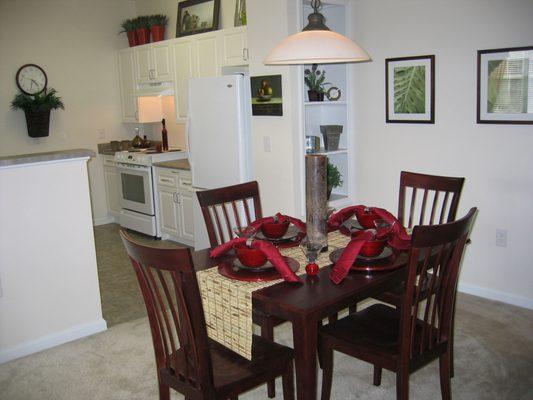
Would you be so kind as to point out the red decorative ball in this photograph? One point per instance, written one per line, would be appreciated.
(312, 269)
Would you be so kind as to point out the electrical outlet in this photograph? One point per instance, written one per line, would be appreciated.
(101, 133)
(501, 237)
(267, 144)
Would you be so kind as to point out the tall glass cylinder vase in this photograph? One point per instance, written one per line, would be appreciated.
(316, 200)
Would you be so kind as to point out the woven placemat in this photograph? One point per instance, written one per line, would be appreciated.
(228, 303)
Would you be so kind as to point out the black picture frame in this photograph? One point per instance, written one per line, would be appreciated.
(484, 57)
(428, 117)
(267, 95)
(186, 24)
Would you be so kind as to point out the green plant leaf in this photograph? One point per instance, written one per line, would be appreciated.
(410, 90)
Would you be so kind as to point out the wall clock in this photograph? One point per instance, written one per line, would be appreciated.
(31, 79)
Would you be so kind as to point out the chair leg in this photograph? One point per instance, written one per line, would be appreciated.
(164, 391)
(333, 318)
(402, 385)
(444, 367)
(267, 332)
(377, 375)
(287, 380)
(327, 371)
(352, 309)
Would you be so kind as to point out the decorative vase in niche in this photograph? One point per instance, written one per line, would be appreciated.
(316, 200)
(239, 18)
(315, 96)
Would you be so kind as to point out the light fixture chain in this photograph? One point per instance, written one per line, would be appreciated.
(316, 5)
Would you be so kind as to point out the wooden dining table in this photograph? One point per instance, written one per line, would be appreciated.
(306, 305)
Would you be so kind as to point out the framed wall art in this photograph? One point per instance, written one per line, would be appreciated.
(267, 95)
(410, 89)
(505, 86)
(197, 16)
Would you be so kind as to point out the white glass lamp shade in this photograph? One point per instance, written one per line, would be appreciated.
(316, 47)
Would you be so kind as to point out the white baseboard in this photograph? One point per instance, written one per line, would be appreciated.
(104, 220)
(52, 340)
(496, 295)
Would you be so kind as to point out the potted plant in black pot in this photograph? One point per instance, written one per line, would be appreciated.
(158, 22)
(333, 179)
(314, 79)
(37, 109)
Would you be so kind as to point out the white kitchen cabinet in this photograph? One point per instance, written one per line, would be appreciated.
(175, 205)
(184, 70)
(153, 62)
(112, 183)
(126, 68)
(207, 56)
(233, 47)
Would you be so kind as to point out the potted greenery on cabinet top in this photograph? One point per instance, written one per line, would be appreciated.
(129, 26)
(37, 109)
(314, 79)
(157, 26)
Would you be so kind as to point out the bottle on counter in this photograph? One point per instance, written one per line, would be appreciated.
(137, 140)
(165, 136)
(146, 142)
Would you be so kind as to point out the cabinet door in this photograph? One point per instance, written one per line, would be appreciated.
(112, 188)
(162, 62)
(126, 71)
(168, 208)
(206, 56)
(186, 216)
(234, 47)
(184, 69)
(144, 63)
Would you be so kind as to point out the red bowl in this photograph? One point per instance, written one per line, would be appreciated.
(373, 248)
(249, 256)
(366, 219)
(275, 230)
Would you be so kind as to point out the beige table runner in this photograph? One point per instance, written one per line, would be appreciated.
(228, 303)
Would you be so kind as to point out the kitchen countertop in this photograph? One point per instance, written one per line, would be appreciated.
(174, 164)
(44, 157)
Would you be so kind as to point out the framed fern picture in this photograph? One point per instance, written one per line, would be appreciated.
(505, 86)
(410, 89)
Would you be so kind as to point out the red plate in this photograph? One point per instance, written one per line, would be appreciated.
(383, 262)
(232, 271)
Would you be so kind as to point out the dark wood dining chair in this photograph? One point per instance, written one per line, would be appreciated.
(438, 204)
(232, 207)
(186, 359)
(405, 339)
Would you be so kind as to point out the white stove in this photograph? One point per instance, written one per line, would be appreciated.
(137, 187)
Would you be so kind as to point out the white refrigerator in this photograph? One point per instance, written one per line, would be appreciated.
(218, 137)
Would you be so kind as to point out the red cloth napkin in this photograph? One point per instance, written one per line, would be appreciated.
(269, 250)
(398, 239)
(256, 225)
(348, 256)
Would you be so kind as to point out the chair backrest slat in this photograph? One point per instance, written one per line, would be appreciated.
(233, 202)
(432, 274)
(433, 186)
(174, 306)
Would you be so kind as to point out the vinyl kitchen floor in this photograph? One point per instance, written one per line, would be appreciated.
(121, 297)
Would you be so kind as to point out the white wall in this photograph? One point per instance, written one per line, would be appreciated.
(495, 159)
(50, 293)
(75, 42)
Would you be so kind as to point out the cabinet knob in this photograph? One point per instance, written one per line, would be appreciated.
(245, 54)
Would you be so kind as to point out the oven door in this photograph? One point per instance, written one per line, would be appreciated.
(136, 192)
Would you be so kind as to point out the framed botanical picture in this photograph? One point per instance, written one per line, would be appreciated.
(505, 86)
(267, 96)
(197, 16)
(410, 89)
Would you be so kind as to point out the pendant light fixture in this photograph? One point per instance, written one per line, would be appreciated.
(316, 44)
